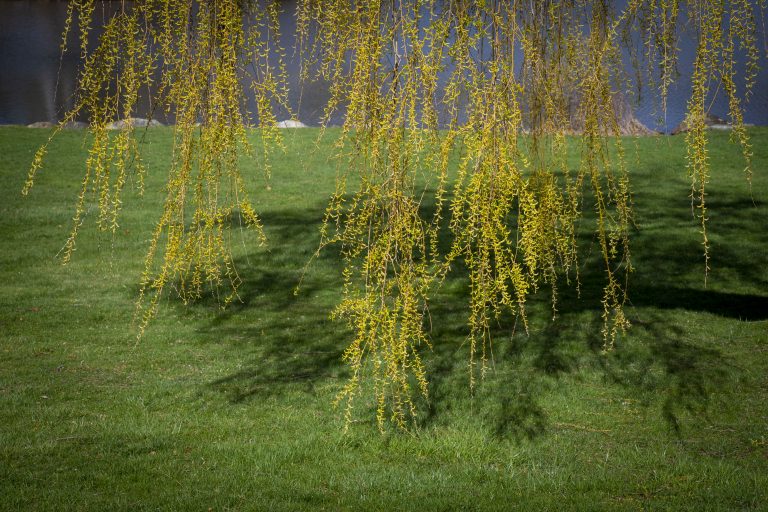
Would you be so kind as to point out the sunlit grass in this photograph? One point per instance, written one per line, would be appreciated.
(232, 409)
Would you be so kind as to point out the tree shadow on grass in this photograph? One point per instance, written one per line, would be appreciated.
(286, 347)
(657, 364)
(288, 344)
(280, 325)
(666, 367)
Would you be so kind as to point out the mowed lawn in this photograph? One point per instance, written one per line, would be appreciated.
(232, 409)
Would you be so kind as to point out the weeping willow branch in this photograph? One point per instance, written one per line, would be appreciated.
(502, 84)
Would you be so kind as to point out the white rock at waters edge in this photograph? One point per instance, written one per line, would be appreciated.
(137, 122)
(291, 123)
(727, 126)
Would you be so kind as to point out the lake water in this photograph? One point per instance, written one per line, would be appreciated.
(36, 84)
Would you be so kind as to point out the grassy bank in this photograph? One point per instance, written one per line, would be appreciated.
(231, 410)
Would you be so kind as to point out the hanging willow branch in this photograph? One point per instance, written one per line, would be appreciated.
(500, 83)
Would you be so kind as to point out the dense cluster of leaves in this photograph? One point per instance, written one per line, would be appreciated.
(501, 84)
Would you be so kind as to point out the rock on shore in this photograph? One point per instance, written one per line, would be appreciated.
(137, 122)
(291, 123)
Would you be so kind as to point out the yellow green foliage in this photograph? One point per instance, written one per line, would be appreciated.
(497, 85)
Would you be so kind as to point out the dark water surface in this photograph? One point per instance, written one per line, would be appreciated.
(37, 84)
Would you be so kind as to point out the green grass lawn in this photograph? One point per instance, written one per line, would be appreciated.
(231, 410)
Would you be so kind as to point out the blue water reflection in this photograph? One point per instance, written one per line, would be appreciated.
(36, 84)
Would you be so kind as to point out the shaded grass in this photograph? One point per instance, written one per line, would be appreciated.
(231, 409)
